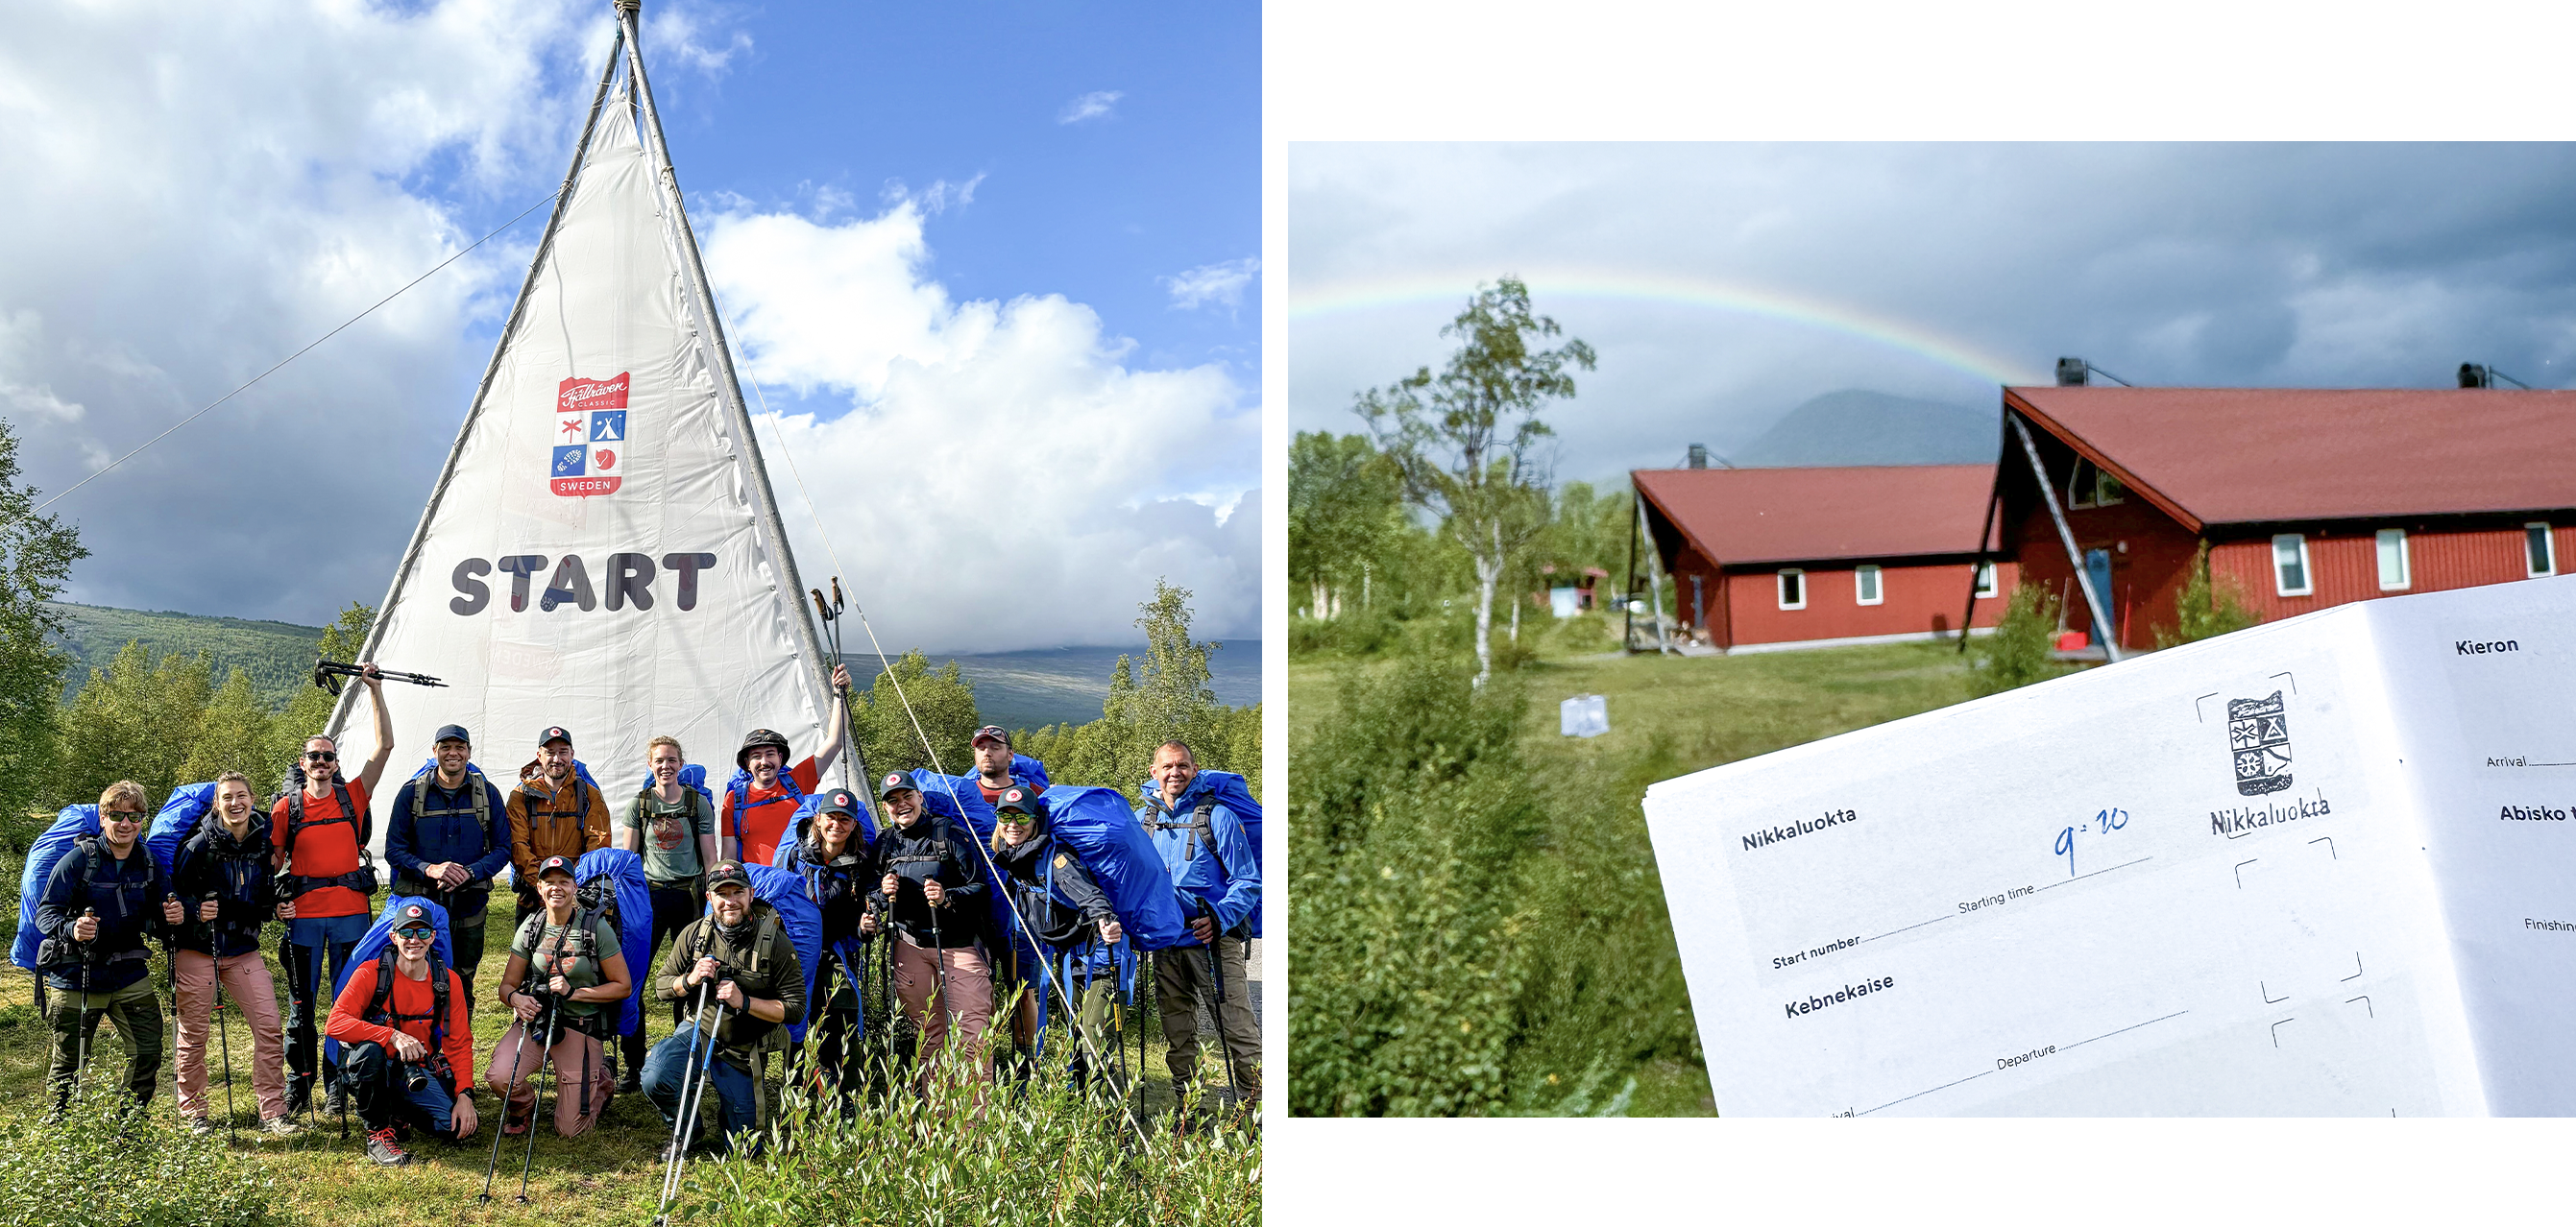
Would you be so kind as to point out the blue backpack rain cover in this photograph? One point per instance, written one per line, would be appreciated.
(1226, 789)
(957, 799)
(785, 891)
(74, 822)
(177, 820)
(1100, 828)
(378, 936)
(695, 777)
(625, 870)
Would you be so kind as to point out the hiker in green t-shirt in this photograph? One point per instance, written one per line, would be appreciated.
(674, 829)
(575, 997)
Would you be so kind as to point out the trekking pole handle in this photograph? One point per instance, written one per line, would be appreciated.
(821, 610)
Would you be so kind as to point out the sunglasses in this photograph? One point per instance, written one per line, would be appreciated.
(125, 815)
(321, 756)
(415, 935)
(1013, 820)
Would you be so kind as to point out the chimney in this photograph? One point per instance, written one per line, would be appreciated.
(2071, 372)
(1699, 455)
(2473, 375)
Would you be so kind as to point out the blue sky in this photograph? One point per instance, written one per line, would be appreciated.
(196, 194)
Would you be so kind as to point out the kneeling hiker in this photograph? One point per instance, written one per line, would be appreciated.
(1062, 908)
(739, 967)
(405, 1023)
(575, 999)
(103, 898)
(221, 873)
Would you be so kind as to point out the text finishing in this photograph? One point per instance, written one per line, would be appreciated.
(1847, 992)
(1771, 835)
(2548, 926)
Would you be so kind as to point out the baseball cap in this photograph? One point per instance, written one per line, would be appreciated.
(838, 801)
(726, 872)
(990, 732)
(556, 864)
(554, 732)
(453, 732)
(414, 916)
(897, 781)
(1016, 801)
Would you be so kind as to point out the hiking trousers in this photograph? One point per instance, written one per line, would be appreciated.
(582, 1082)
(1181, 985)
(137, 1011)
(970, 999)
(251, 989)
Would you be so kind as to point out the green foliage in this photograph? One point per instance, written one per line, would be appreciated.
(942, 699)
(232, 734)
(102, 1166)
(1345, 518)
(2018, 653)
(135, 720)
(278, 655)
(1464, 439)
(36, 557)
(1051, 1157)
(1408, 818)
(2205, 610)
(1162, 698)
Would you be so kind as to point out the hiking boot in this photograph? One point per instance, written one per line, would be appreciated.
(280, 1127)
(514, 1119)
(200, 1126)
(630, 1083)
(299, 1095)
(337, 1102)
(382, 1149)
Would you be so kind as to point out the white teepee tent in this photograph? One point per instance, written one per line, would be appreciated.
(602, 551)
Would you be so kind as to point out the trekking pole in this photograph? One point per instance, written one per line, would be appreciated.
(545, 1056)
(81, 1023)
(680, 1119)
(223, 1034)
(689, 1118)
(516, 1051)
(1216, 1011)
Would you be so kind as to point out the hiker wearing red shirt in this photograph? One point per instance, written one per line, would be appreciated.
(321, 830)
(410, 1045)
(753, 813)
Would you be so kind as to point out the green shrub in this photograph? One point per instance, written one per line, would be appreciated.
(1051, 1157)
(2204, 610)
(104, 1166)
(2018, 653)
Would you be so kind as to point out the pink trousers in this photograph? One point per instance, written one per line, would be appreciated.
(577, 1057)
(970, 998)
(249, 988)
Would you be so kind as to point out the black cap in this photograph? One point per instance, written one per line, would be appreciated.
(838, 801)
(554, 863)
(992, 732)
(754, 740)
(896, 781)
(726, 872)
(454, 732)
(1016, 800)
(554, 732)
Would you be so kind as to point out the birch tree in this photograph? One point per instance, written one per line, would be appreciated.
(1466, 439)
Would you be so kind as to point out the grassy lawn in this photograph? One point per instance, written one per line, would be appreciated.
(1674, 715)
(611, 1175)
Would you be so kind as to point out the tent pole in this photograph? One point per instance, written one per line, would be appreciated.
(2066, 537)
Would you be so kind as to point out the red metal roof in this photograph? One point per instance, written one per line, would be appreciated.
(2240, 455)
(1797, 515)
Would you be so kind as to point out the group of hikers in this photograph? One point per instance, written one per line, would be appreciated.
(918, 893)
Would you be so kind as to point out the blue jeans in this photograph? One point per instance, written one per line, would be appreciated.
(376, 1087)
(729, 1086)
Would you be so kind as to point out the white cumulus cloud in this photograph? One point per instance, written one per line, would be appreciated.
(1093, 105)
(1000, 465)
(1221, 284)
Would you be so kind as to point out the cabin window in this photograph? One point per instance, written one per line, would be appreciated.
(1865, 586)
(1985, 580)
(2290, 565)
(2541, 559)
(1793, 589)
(2091, 486)
(2393, 573)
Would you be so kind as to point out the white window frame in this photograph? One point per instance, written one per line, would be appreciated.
(1985, 580)
(2548, 550)
(2307, 573)
(1865, 578)
(1786, 573)
(2405, 570)
(2081, 493)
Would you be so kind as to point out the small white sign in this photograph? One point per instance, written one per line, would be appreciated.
(1584, 715)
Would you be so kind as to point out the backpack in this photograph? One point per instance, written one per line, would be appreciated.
(1097, 826)
(177, 821)
(380, 1011)
(800, 924)
(1209, 790)
(74, 822)
(739, 789)
(361, 879)
(612, 883)
(378, 938)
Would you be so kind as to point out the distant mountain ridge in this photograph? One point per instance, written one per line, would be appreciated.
(1859, 427)
(278, 655)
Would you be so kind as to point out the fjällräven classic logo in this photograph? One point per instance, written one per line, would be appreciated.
(591, 413)
(2258, 736)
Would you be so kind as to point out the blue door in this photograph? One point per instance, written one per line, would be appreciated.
(2097, 569)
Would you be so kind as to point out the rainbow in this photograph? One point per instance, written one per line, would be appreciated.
(1551, 283)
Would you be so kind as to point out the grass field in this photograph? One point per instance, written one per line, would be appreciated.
(1670, 716)
(611, 1175)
